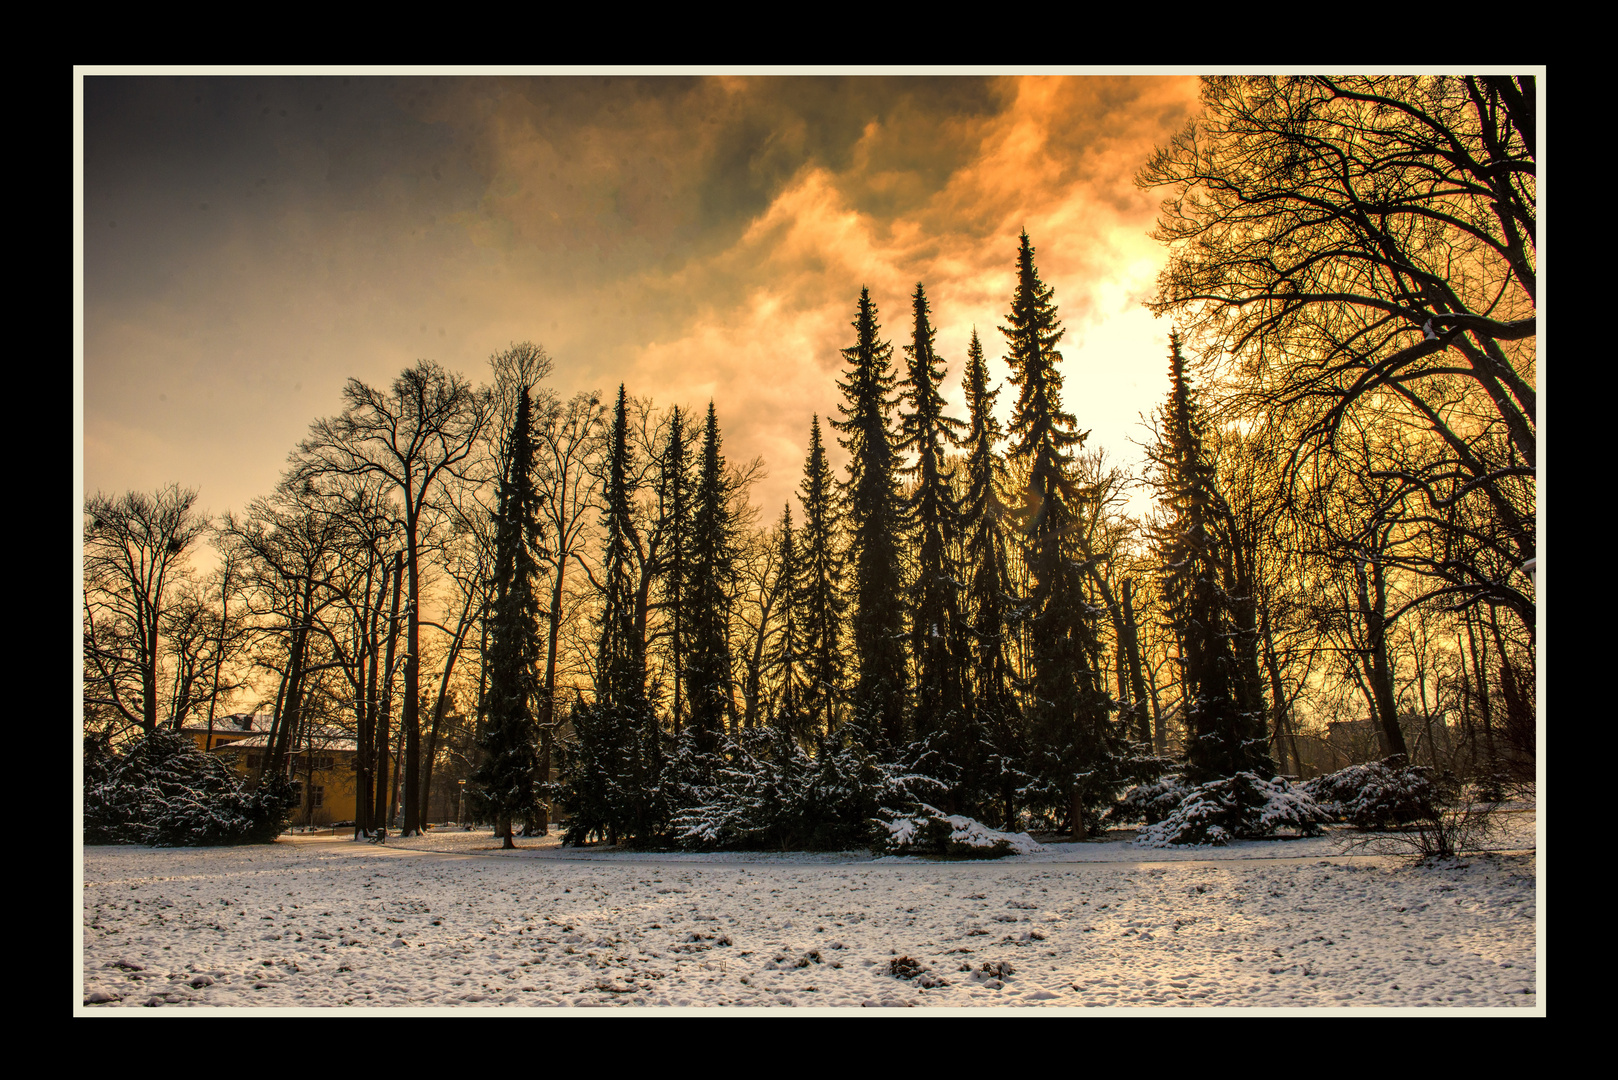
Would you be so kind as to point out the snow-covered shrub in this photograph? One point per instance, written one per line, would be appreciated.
(1048, 797)
(1150, 802)
(930, 831)
(1405, 810)
(613, 774)
(772, 794)
(1377, 795)
(167, 793)
(1240, 807)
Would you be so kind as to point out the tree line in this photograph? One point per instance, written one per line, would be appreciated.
(1343, 474)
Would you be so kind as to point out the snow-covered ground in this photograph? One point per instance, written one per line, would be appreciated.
(448, 920)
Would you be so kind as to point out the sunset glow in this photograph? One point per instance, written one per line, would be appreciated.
(252, 242)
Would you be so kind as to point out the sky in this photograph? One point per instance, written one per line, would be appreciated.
(252, 242)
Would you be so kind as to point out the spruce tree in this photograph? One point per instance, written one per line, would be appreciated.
(877, 525)
(614, 769)
(1225, 729)
(938, 633)
(621, 660)
(989, 749)
(819, 600)
(708, 591)
(786, 653)
(510, 737)
(676, 499)
(1071, 742)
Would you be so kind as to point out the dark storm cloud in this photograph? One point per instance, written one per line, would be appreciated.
(252, 242)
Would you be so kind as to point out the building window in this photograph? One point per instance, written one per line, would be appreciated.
(319, 794)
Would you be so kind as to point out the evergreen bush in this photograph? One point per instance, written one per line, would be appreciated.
(1378, 795)
(1240, 807)
(167, 793)
(613, 776)
(773, 795)
(1149, 802)
(929, 831)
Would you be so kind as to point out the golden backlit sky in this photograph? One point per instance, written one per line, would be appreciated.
(251, 242)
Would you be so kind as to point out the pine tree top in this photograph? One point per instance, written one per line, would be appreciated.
(817, 491)
(714, 525)
(1185, 470)
(869, 398)
(925, 423)
(1034, 331)
(982, 495)
(1042, 431)
(979, 398)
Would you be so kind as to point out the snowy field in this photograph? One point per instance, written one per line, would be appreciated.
(449, 921)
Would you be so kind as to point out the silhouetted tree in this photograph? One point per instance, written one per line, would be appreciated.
(786, 649)
(417, 436)
(990, 748)
(136, 547)
(569, 441)
(1367, 244)
(708, 589)
(677, 509)
(1072, 751)
(620, 660)
(877, 521)
(819, 601)
(510, 736)
(1225, 731)
(938, 632)
(613, 767)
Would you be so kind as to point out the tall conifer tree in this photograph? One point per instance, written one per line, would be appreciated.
(819, 600)
(876, 518)
(938, 633)
(676, 498)
(1069, 733)
(990, 751)
(786, 654)
(510, 736)
(621, 662)
(708, 591)
(1225, 729)
(614, 768)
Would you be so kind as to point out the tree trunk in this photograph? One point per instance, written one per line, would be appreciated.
(219, 654)
(547, 705)
(1283, 712)
(440, 707)
(1076, 812)
(411, 720)
(286, 732)
(1380, 669)
(384, 761)
(399, 771)
(1136, 678)
(365, 741)
(1480, 673)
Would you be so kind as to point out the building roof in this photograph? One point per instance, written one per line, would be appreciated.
(324, 744)
(233, 724)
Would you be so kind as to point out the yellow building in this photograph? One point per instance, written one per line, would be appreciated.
(323, 771)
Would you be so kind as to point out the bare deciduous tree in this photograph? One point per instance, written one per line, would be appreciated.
(136, 549)
(417, 436)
